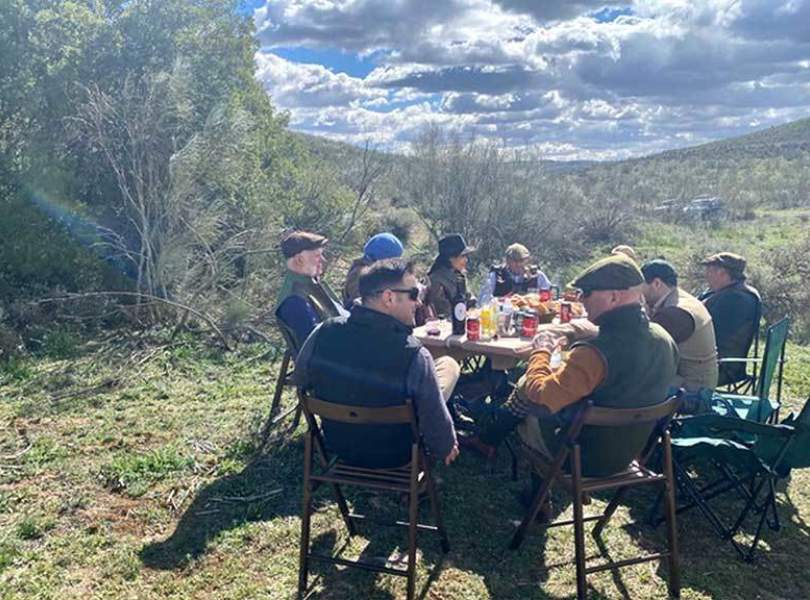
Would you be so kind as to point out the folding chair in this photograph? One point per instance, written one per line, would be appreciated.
(412, 479)
(654, 421)
(284, 379)
(747, 384)
(748, 459)
(759, 407)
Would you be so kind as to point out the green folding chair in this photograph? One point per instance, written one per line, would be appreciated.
(746, 459)
(759, 407)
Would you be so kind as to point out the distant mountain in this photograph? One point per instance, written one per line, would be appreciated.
(787, 141)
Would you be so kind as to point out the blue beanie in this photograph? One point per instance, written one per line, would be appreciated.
(382, 246)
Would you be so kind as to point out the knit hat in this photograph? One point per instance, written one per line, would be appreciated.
(382, 246)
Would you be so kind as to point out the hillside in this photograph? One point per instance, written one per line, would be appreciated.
(788, 141)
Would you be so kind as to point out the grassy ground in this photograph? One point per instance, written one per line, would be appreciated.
(128, 469)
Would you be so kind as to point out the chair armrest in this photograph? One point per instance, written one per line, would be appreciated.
(739, 360)
(720, 423)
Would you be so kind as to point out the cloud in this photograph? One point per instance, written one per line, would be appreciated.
(594, 78)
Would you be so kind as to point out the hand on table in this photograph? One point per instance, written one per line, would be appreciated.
(548, 341)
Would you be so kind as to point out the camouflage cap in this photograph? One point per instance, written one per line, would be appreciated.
(734, 263)
(298, 241)
(517, 252)
(615, 272)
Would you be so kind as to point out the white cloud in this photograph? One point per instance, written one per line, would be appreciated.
(655, 74)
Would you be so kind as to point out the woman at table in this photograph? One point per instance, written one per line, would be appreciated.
(448, 275)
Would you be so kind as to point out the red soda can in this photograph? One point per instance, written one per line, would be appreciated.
(473, 329)
(545, 295)
(529, 326)
(565, 312)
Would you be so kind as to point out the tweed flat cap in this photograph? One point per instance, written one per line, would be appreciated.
(615, 272)
(517, 252)
(728, 260)
(298, 241)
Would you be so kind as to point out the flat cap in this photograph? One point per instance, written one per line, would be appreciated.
(728, 260)
(298, 241)
(626, 250)
(615, 272)
(517, 252)
(660, 268)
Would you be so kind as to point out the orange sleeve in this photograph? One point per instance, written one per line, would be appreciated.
(578, 376)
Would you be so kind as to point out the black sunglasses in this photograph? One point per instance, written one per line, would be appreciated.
(413, 293)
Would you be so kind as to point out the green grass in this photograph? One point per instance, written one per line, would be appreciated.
(152, 488)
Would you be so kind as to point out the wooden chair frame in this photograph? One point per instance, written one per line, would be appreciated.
(552, 470)
(284, 379)
(412, 479)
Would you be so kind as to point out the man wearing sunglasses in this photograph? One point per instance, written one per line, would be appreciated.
(629, 364)
(371, 359)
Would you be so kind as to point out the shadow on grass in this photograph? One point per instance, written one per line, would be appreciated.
(230, 501)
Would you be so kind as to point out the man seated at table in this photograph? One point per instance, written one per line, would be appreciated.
(370, 358)
(515, 275)
(689, 323)
(378, 247)
(735, 308)
(304, 300)
(629, 364)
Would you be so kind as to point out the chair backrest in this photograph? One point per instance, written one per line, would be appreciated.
(611, 438)
(359, 415)
(774, 345)
(396, 425)
(289, 337)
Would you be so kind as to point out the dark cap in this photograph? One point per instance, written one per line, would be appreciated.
(454, 245)
(733, 263)
(616, 272)
(298, 241)
(660, 268)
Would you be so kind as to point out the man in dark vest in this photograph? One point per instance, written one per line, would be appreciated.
(735, 307)
(303, 299)
(630, 363)
(370, 358)
(515, 275)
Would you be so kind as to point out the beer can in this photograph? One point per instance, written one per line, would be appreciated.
(529, 326)
(565, 312)
(473, 329)
(545, 295)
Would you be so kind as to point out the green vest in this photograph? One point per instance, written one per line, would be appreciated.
(641, 360)
(317, 293)
(445, 284)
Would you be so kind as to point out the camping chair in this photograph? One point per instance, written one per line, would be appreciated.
(284, 379)
(749, 458)
(759, 407)
(412, 479)
(747, 384)
(657, 418)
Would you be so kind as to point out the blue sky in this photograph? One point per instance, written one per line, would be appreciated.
(567, 79)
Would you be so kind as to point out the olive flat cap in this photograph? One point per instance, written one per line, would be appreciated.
(298, 241)
(517, 252)
(728, 260)
(615, 272)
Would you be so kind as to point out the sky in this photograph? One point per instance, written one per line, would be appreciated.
(565, 79)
